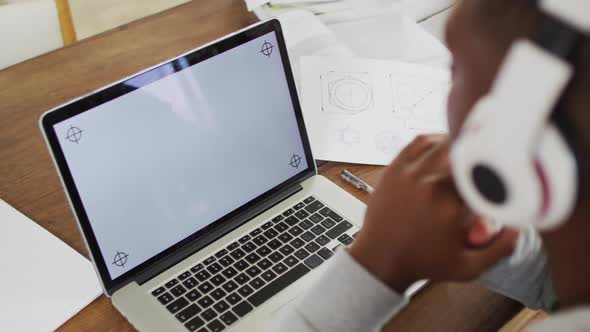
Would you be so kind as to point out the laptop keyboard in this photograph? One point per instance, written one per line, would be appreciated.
(229, 284)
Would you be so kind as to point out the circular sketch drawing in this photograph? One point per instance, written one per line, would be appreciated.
(350, 94)
(388, 142)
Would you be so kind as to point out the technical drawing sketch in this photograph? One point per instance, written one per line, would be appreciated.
(346, 93)
(349, 136)
(388, 142)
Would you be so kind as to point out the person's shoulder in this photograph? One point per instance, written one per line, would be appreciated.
(576, 320)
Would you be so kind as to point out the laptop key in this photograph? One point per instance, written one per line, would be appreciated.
(218, 294)
(252, 258)
(301, 254)
(278, 285)
(270, 234)
(214, 268)
(202, 275)
(307, 236)
(286, 237)
(286, 250)
(249, 247)
(256, 283)
(237, 254)
(230, 272)
(184, 275)
(312, 247)
(328, 223)
(266, 225)
(276, 257)
(339, 229)
(327, 212)
(205, 287)
(193, 295)
(171, 283)
(233, 246)
(260, 240)
(242, 309)
(297, 243)
(233, 298)
(159, 291)
(244, 239)
(299, 206)
(290, 261)
(274, 244)
(322, 240)
(281, 227)
(178, 290)
(228, 318)
(268, 275)
(242, 278)
(314, 207)
(309, 200)
(176, 305)
(190, 283)
(253, 271)
(277, 219)
(291, 221)
(230, 286)
(301, 214)
(226, 261)
(263, 251)
(325, 253)
(197, 268)
(288, 212)
(256, 232)
(165, 298)
(279, 268)
(215, 326)
(188, 313)
(194, 324)
(210, 260)
(316, 218)
(317, 230)
(217, 280)
(221, 253)
(313, 261)
(221, 306)
(205, 302)
(295, 231)
(241, 265)
(245, 290)
(305, 224)
(208, 314)
(345, 239)
(264, 264)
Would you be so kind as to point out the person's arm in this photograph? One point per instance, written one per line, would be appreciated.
(416, 227)
(524, 276)
(345, 298)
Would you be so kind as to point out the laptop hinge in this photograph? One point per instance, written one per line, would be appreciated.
(173, 259)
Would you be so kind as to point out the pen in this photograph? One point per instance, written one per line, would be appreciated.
(355, 181)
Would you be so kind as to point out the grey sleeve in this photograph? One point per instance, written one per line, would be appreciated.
(524, 276)
(346, 298)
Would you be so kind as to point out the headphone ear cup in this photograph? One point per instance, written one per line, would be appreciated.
(557, 170)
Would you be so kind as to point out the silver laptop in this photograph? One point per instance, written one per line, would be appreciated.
(195, 188)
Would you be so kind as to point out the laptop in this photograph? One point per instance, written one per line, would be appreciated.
(195, 188)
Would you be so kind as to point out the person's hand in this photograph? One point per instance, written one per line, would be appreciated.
(417, 227)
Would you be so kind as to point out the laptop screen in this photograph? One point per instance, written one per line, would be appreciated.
(184, 146)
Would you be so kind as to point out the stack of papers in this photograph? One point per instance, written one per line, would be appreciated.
(43, 282)
(366, 111)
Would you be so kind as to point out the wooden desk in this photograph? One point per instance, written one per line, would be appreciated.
(30, 183)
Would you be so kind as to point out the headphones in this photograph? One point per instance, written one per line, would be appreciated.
(510, 163)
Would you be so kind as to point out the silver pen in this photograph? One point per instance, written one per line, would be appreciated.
(355, 181)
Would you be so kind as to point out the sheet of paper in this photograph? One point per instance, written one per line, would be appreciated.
(365, 111)
(43, 282)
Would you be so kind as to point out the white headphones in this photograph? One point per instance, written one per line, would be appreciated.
(510, 163)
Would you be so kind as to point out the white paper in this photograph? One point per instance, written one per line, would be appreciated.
(365, 111)
(43, 282)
